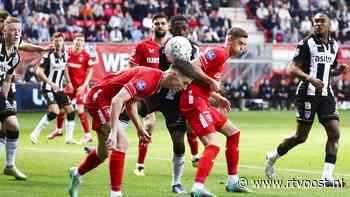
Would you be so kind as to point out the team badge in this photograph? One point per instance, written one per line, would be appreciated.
(210, 55)
(307, 114)
(140, 85)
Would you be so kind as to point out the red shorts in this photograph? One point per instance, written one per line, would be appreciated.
(202, 117)
(99, 109)
(80, 100)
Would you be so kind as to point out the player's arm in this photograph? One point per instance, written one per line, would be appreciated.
(137, 56)
(40, 73)
(28, 47)
(6, 85)
(194, 70)
(338, 69)
(66, 74)
(302, 54)
(132, 109)
(86, 81)
(225, 104)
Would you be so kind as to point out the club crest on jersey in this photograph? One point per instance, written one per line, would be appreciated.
(210, 55)
(140, 85)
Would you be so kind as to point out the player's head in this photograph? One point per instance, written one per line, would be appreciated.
(3, 15)
(236, 41)
(58, 41)
(175, 80)
(12, 30)
(179, 26)
(78, 41)
(321, 24)
(160, 25)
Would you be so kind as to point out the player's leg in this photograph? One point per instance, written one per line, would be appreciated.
(53, 110)
(59, 125)
(92, 160)
(70, 124)
(232, 134)
(116, 164)
(328, 116)
(10, 124)
(83, 118)
(306, 108)
(193, 143)
(149, 124)
(2, 137)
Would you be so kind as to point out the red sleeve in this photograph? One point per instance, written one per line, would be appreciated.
(136, 57)
(137, 85)
(89, 61)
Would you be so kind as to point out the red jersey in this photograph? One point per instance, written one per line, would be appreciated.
(78, 65)
(146, 54)
(140, 82)
(213, 61)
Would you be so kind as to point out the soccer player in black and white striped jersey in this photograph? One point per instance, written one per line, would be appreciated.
(314, 63)
(51, 72)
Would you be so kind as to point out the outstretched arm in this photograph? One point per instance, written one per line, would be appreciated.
(28, 47)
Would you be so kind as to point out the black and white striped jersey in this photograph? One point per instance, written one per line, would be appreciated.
(317, 59)
(8, 63)
(54, 66)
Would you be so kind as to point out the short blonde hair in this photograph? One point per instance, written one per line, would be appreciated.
(11, 19)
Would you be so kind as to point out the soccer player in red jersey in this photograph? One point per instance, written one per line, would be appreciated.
(206, 121)
(147, 54)
(105, 102)
(80, 68)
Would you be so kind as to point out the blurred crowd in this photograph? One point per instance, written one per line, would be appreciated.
(114, 20)
(277, 92)
(289, 21)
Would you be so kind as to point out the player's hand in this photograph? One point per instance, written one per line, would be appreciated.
(214, 85)
(225, 104)
(317, 83)
(144, 136)
(111, 142)
(343, 68)
(51, 46)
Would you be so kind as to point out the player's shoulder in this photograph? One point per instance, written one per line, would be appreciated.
(215, 53)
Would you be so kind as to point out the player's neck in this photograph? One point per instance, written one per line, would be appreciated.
(77, 50)
(161, 40)
(9, 47)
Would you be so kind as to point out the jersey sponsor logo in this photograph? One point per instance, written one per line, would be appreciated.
(210, 55)
(323, 59)
(151, 50)
(140, 85)
(154, 60)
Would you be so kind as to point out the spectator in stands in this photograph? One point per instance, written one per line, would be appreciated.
(284, 17)
(116, 35)
(265, 91)
(102, 34)
(147, 22)
(281, 93)
(74, 10)
(136, 34)
(244, 93)
(98, 12)
(292, 89)
(262, 12)
(306, 26)
(115, 21)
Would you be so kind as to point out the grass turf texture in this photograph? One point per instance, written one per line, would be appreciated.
(46, 164)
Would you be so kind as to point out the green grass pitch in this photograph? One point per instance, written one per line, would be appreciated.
(46, 164)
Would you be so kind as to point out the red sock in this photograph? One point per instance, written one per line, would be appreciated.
(232, 153)
(206, 162)
(91, 162)
(84, 121)
(193, 142)
(143, 148)
(59, 120)
(116, 169)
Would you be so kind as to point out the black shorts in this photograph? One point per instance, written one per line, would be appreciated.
(11, 96)
(167, 102)
(6, 109)
(58, 98)
(323, 106)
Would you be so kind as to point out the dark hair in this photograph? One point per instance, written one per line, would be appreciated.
(78, 35)
(157, 16)
(237, 32)
(58, 34)
(178, 19)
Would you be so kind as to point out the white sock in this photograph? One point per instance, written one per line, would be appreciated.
(273, 155)
(232, 178)
(41, 125)
(116, 194)
(70, 130)
(194, 157)
(140, 165)
(59, 130)
(197, 185)
(178, 166)
(11, 147)
(88, 135)
(328, 171)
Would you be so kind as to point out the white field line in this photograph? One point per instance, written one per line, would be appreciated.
(262, 168)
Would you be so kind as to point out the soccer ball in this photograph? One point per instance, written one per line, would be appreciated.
(178, 47)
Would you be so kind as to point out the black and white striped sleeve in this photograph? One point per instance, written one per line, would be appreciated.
(302, 54)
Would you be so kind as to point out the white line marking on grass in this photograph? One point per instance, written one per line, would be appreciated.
(286, 170)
